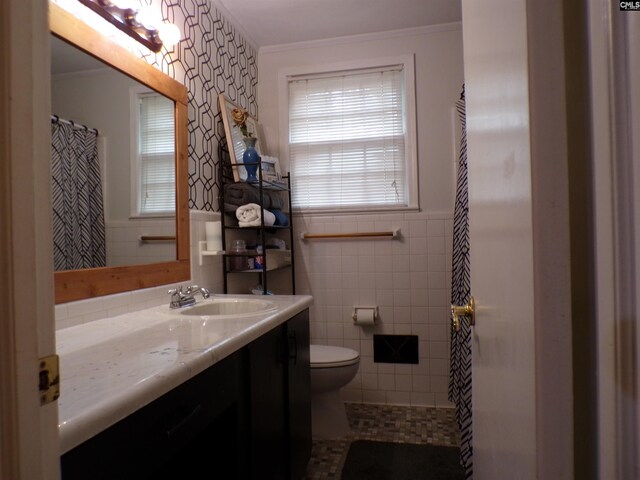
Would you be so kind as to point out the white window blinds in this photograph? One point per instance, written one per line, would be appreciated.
(347, 139)
(156, 145)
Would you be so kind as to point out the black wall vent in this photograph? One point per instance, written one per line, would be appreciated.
(395, 349)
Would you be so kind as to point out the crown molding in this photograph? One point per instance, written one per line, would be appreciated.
(364, 37)
(217, 4)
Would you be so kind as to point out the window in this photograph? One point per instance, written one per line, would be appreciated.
(155, 185)
(350, 140)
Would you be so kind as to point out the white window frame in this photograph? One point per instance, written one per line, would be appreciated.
(136, 173)
(411, 150)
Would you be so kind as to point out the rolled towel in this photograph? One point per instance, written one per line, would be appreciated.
(249, 215)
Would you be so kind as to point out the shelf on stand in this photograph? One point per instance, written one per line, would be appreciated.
(272, 261)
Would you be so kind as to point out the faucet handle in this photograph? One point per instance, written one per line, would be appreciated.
(176, 292)
(191, 289)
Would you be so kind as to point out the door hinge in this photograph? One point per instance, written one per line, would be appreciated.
(49, 379)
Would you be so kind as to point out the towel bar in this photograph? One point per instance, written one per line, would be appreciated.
(158, 238)
(391, 235)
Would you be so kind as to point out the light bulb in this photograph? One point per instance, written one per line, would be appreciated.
(169, 34)
(149, 17)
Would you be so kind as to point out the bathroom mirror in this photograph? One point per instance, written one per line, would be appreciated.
(126, 131)
(169, 266)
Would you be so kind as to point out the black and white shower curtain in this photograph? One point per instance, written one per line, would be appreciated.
(78, 215)
(460, 369)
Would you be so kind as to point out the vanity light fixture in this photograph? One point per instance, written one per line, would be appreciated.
(123, 14)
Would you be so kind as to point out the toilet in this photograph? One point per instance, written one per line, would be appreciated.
(331, 369)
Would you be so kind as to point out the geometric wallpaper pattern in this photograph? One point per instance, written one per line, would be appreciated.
(211, 58)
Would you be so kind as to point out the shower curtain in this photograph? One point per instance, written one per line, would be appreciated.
(460, 369)
(78, 216)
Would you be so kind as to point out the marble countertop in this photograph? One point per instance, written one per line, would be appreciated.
(112, 367)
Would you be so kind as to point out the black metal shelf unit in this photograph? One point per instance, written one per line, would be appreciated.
(262, 231)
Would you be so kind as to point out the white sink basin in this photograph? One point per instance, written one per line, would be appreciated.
(229, 307)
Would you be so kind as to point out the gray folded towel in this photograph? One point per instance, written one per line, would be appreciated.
(241, 193)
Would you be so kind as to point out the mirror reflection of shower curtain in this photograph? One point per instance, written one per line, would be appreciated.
(460, 368)
(78, 215)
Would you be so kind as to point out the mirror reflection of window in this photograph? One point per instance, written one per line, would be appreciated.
(156, 194)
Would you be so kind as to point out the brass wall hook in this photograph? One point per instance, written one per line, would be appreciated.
(460, 311)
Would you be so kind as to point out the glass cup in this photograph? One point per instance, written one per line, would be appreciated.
(238, 262)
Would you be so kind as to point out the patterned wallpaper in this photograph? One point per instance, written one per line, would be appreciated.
(211, 58)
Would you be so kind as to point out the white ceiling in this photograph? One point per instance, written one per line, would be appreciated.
(275, 22)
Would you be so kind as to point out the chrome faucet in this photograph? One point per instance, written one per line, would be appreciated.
(180, 298)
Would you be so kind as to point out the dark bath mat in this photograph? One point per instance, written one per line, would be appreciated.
(367, 460)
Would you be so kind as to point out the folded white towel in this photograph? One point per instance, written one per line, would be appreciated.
(249, 216)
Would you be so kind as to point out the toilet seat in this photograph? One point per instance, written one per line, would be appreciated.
(327, 356)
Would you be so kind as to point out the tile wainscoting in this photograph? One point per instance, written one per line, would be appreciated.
(125, 248)
(409, 279)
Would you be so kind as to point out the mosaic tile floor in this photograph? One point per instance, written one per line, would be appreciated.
(388, 423)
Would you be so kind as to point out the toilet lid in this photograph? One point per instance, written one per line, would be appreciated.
(327, 356)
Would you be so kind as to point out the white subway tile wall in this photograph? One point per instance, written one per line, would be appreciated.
(123, 243)
(409, 279)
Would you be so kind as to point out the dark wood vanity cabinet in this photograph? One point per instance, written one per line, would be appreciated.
(141, 445)
(246, 417)
(280, 401)
(298, 395)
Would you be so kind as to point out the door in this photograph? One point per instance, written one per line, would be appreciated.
(503, 351)
(614, 35)
(519, 242)
(29, 431)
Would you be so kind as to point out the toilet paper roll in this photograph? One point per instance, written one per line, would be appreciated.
(365, 316)
(213, 236)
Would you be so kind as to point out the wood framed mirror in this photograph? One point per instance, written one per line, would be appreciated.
(93, 282)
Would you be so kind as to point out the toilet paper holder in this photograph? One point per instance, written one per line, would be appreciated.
(365, 315)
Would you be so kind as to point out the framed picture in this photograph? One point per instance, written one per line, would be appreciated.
(271, 169)
(234, 137)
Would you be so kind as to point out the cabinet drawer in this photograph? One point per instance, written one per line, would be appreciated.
(139, 444)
